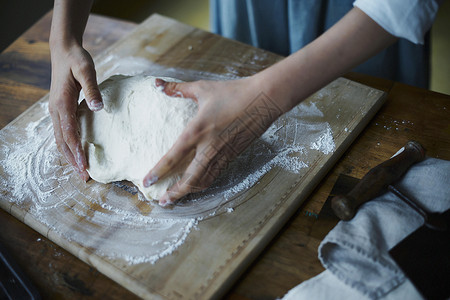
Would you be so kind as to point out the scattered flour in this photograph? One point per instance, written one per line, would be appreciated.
(325, 143)
(117, 222)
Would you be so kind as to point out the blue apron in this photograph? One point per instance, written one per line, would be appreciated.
(285, 26)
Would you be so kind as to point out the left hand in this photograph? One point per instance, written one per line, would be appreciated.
(228, 120)
(72, 70)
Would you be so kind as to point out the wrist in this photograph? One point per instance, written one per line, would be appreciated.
(62, 36)
(65, 42)
(277, 86)
(68, 23)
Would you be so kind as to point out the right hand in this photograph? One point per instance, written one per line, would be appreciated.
(231, 115)
(72, 70)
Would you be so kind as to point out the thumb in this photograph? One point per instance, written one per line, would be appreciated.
(88, 80)
(92, 95)
(176, 89)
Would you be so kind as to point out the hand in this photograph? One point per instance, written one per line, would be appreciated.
(231, 115)
(72, 70)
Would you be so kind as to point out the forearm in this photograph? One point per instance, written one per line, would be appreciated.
(72, 70)
(69, 22)
(350, 42)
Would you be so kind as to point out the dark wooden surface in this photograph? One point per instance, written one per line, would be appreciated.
(409, 113)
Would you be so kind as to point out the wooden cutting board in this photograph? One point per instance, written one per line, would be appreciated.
(218, 242)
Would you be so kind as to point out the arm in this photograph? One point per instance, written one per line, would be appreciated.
(72, 70)
(351, 41)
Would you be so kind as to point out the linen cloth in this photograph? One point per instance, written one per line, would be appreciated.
(355, 253)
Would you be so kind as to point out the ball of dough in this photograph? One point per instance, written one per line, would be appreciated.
(138, 125)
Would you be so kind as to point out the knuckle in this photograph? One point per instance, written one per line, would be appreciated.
(91, 91)
(165, 165)
(169, 162)
(67, 96)
(84, 67)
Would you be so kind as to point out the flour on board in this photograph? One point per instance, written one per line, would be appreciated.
(116, 222)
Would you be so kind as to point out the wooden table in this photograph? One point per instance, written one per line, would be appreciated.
(409, 113)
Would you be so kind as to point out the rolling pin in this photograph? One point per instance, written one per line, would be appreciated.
(376, 180)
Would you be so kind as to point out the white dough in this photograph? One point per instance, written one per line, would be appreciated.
(138, 125)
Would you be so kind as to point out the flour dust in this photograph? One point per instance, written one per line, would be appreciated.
(114, 220)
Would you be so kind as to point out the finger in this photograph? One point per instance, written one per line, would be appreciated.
(199, 175)
(177, 89)
(189, 183)
(72, 143)
(87, 78)
(61, 144)
(63, 148)
(175, 157)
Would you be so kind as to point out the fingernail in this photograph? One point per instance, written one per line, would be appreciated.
(95, 105)
(159, 82)
(150, 180)
(165, 200)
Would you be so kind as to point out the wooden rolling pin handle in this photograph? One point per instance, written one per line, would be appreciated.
(376, 180)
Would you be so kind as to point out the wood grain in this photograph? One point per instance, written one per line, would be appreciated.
(25, 65)
(225, 244)
(291, 256)
(24, 79)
